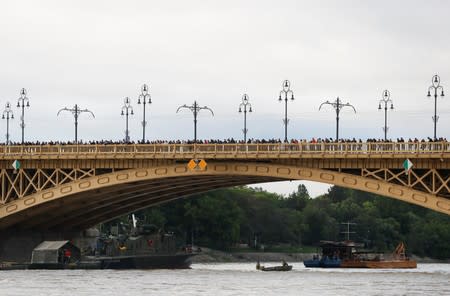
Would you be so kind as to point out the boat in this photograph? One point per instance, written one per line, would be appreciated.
(144, 247)
(323, 262)
(283, 267)
(331, 255)
(345, 255)
(398, 259)
(277, 268)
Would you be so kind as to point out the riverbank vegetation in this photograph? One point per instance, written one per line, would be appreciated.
(243, 216)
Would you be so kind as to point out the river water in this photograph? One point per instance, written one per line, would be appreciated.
(229, 279)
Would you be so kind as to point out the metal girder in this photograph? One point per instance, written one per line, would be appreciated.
(20, 183)
(436, 182)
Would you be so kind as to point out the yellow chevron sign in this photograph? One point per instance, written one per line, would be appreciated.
(197, 164)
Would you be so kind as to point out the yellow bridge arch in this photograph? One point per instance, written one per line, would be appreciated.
(94, 198)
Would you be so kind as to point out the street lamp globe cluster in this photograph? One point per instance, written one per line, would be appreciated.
(8, 115)
(243, 106)
(435, 87)
(287, 93)
(385, 101)
(127, 110)
(23, 102)
(144, 98)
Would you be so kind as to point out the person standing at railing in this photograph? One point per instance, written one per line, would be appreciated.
(402, 144)
(360, 145)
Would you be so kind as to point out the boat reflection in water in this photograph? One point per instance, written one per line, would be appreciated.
(345, 255)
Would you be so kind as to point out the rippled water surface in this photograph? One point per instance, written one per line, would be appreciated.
(229, 279)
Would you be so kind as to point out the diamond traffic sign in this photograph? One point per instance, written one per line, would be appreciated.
(192, 164)
(16, 164)
(202, 164)
(407, 165)
(197, 164)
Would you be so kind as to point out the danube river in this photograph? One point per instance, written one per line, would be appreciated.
(229, 279)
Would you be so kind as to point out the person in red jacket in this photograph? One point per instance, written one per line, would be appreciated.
(67, 255)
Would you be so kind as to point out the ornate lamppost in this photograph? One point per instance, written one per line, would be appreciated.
(128, 111)
(144, 98)
(436, 80)
(243, 106)
(337, 105)
(385, 100)
(7, 114)
(195, 109)
(76, 111)
(287, 92)
(23, 102)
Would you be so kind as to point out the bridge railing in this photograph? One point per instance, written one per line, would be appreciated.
(226, 148)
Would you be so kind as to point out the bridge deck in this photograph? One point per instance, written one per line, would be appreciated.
(226, 151)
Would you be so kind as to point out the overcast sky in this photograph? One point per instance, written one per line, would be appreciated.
(95, 53)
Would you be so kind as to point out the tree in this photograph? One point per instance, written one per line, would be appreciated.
(223, 217)
(299, 199)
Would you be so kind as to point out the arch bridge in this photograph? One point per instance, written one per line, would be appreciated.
(73, 187)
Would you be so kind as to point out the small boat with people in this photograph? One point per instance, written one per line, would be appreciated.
(346, 255)
(283, 267)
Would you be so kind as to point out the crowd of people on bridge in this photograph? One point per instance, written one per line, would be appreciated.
(229, 141)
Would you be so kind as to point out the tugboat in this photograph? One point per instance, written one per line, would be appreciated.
(345, 255)
(332, 254)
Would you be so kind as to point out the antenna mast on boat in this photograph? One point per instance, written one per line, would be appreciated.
(133, 217)
(348, 229)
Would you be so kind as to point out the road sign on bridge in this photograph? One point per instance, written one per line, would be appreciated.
(197, 164)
